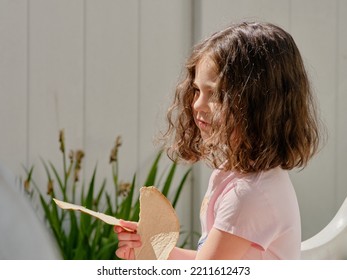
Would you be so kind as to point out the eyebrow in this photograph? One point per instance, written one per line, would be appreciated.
(195, 85)
(211, 86)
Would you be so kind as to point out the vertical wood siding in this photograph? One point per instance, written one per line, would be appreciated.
(104, 68)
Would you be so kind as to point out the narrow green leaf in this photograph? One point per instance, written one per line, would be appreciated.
(127, 203)
(100, 193)
(82, 198)
(49, 218)
(55, 220)
(30, 173)
(108, 248)
(46, 169)
(60, 182)
(150, 181)
(169, 179)
(97, 236)
(109, 209)
(90, 195)
(180, 187)
(73, 235)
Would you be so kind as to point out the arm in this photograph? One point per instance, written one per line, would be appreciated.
(182, 254)
(218, 245)
(221, 245)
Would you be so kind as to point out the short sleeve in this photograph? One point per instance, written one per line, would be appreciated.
(246, 212)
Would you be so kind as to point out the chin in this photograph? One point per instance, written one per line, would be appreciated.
(204, 135)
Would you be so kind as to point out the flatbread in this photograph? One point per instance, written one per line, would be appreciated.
(158, 225)
(103, 217)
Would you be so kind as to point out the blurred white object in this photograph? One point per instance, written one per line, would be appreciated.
(22, 235)
(331, 242)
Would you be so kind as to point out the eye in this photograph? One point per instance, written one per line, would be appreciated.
(196, 91)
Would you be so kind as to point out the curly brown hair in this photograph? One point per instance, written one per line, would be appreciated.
(266, 115)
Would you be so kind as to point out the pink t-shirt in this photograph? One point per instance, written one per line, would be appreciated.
(260, 207)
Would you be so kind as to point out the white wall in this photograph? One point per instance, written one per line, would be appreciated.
(104, 68)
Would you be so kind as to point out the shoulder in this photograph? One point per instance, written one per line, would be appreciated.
(261, 190)
(254, 184)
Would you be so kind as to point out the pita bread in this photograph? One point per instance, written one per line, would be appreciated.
(103, 217)
(158, 224)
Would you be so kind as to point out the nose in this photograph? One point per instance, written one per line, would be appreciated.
(200, 102)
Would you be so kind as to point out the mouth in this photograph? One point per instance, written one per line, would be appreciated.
(203, 125)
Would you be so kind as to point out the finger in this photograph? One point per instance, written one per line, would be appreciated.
(131, 254)
(129, 244)
(125, 253)
(120, 252)
(118, 229)
(128, 224)
(126, 236)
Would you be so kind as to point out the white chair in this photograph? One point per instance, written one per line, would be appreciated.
(22, 235)
(331, 242)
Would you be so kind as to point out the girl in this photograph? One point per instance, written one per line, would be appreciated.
(245, 107)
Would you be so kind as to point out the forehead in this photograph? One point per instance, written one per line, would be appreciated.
(205, 72)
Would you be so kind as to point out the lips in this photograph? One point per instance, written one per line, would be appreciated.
(202, 124)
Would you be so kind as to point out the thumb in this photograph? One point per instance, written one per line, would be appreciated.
(128, 225)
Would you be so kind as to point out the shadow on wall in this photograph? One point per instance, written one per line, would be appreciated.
(22, 234)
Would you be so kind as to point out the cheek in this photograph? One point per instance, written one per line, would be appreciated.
(220, 119)
(215, 113)
(213, 107)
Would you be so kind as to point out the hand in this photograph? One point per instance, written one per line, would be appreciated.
(127, 240)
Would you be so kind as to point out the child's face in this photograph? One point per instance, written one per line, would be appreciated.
(203, 105)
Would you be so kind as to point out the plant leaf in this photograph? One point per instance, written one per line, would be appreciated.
(168, 180)
(127, 202)
(60, 182)
(180, 187)
(150, 181)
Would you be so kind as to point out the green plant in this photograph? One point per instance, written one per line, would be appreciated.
(80, 236)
